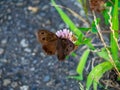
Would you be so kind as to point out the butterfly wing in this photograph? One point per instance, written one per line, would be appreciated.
(50, 48)
(45, 36)
(48, 41)
(60, 51)
(64, 47)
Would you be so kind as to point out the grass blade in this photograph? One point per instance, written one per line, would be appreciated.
(97, 73)
(67, 20)
(82, 63)
(103, 53)
(76, 77)
(95, 85)
(115, 27)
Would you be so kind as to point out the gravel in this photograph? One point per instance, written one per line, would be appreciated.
(6, 82)
(24, 43)
(1, 51)
(23, 64)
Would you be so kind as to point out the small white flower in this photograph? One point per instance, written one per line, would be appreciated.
(65, 33)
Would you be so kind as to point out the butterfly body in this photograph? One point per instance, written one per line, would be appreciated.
(52, 44)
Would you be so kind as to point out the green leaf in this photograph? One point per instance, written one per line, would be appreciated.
(93, 27)
(80, 1)
(115, 20)
(82, 62)
(67, 20)
(118, 78)
(73, 54)
(119, 4)
(95, 85)
(96, 73)
(106, 16)
(84, 29)
(109, 4)
(117, 64)
(103, 53)
(86, 41)
(94, 30)
(115, 27)
(76, 77)
(97, 21)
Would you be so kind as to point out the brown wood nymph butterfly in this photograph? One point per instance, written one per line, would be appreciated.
(54, 45)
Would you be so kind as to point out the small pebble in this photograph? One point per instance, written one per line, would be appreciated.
(25, 87)
(82, 12)
(78, 5)
(33, 9)
(9, 17)
(34, 88)
(1, 71)
(6, 82)
(39, 17)
(0, 30)
(14, 84)
(50, 64)
(50, 82)
(3, 60)
(8, 10)
(48, 22)
(72, 72)
(32, 69)
(24, 61)
(24, 43)
(46, 78)
(35, 62)
(45, 7)
(35, 1)
(85, 25)
(1, 51)
(4, 41)
(1, 20)
(33, 54)
(27, 50)
(20, 4)
(42, 54)
(11, 89)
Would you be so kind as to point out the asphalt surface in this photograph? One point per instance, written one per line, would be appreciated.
(23, 64)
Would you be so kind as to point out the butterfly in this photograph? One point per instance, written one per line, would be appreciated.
(54, 45)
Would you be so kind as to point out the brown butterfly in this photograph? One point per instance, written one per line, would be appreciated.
(54, 45)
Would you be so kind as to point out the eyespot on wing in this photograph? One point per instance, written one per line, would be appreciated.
(44, 36)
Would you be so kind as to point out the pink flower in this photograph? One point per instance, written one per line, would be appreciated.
(65, 33)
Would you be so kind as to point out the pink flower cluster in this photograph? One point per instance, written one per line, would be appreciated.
(65, 33)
